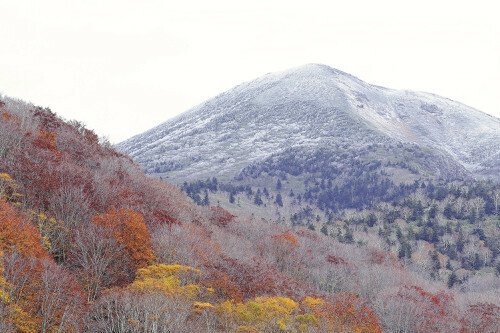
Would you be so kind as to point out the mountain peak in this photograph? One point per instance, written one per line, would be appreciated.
(321, 69)
(313, 68)
(311, 71)
(309, 106)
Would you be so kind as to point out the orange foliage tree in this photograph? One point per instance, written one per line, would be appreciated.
(17, 233)
(129, 229)
(285, 253)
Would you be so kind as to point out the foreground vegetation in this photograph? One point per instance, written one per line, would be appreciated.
(89, 243)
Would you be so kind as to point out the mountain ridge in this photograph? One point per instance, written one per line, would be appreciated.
(309, 105)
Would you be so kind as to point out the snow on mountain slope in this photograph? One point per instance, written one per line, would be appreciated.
(312, 105)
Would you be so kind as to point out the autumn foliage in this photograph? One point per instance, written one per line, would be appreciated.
(178, 285)
(344, 313)
(17, 233)
(481, 317)
(88, 242)
(129, 229)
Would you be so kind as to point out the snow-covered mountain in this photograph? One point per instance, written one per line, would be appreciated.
(311, 106)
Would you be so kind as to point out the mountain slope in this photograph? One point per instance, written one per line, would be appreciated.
(312, 106)
(90, 243)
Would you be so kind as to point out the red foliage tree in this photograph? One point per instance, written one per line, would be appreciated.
(343, 313)
(481, 317)
(415, 309)
(220, 216)
(235, 280)
(336, 260)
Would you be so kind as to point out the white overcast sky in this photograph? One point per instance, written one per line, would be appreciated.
(124, 66)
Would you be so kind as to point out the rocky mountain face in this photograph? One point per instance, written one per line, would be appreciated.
(313, 107)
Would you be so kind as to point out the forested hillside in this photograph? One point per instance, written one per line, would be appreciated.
(437, 220)
(89, 243)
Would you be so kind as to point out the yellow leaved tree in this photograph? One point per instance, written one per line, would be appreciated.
(262, 314)
(12, 317)
(8, 187)
(169, 280)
